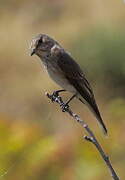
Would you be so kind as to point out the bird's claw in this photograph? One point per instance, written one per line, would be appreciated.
(54, 95)
(64, 107)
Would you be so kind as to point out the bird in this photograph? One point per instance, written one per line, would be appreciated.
(66, 72)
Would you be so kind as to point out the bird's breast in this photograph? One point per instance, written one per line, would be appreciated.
(59, 77)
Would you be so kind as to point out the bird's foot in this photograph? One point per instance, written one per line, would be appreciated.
(54, 95)
(64, 107)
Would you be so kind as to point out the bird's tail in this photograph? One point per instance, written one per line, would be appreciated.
(93, 107)
(99, 118)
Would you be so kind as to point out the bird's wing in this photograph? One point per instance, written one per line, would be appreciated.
(76, 77)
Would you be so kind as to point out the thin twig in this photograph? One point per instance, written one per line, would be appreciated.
(91, 138)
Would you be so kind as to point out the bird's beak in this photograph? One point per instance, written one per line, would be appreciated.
(32, 52)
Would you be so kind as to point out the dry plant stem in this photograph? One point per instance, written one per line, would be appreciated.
(91, 138)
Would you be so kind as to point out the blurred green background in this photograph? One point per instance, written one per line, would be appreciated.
(38, 141)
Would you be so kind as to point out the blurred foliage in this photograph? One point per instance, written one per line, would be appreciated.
(104, 55)
(37, 141)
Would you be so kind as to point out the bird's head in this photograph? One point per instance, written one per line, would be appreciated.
(41, 44)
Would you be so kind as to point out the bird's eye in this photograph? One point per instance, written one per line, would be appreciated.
(40, 41)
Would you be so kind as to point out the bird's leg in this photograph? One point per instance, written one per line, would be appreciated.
(56, 94)
(65, 105)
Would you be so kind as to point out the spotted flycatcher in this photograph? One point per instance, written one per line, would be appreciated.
(62, 68)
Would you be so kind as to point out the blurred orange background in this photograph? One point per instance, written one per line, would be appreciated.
(37, 140)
